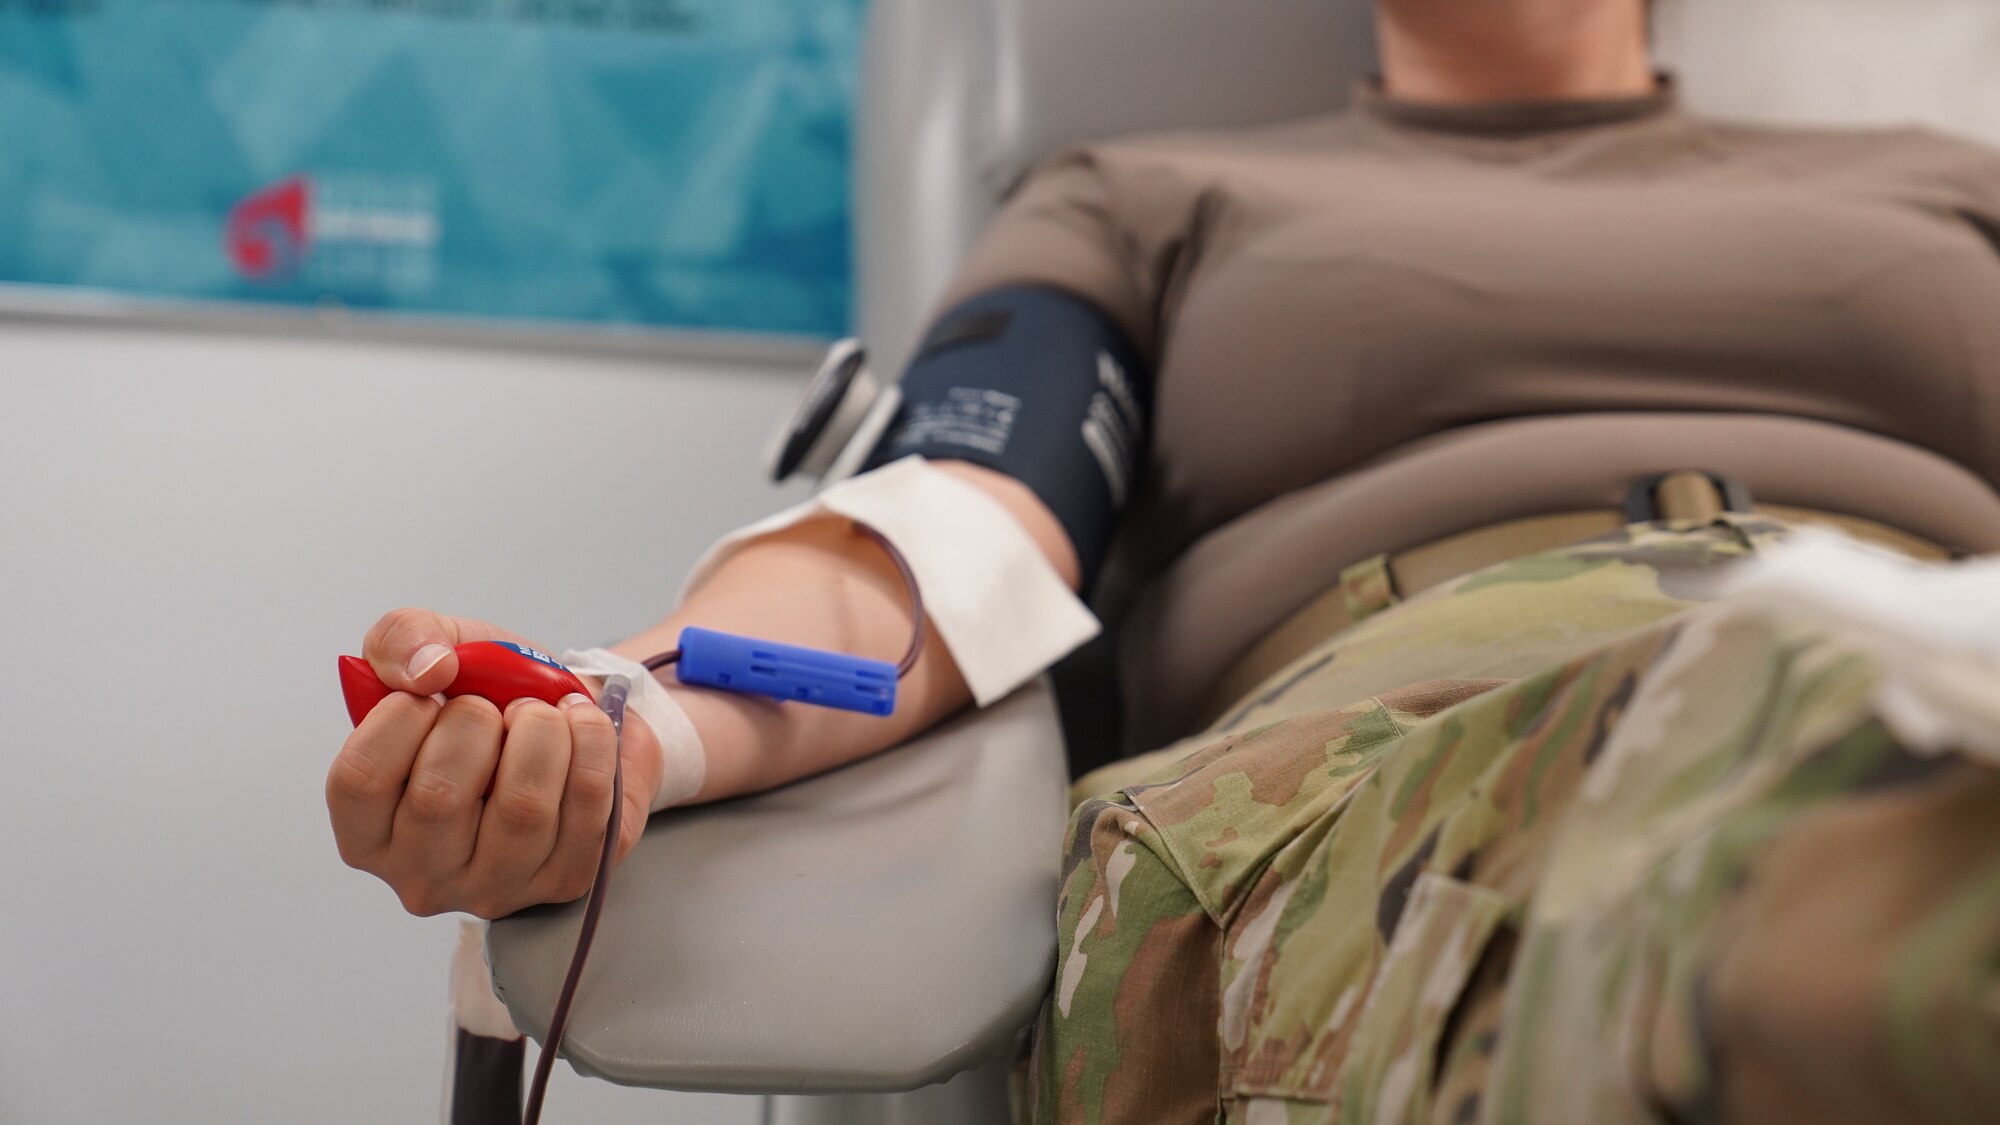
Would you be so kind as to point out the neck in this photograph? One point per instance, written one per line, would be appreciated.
(1458, 51)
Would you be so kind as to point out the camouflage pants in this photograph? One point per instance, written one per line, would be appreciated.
(1556, 843)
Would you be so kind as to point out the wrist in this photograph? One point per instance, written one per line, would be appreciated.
(682, 755)
(742, 736)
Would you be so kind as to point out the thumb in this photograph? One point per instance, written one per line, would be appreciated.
(411, 649)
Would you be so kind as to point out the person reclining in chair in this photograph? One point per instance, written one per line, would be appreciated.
(1518, 820)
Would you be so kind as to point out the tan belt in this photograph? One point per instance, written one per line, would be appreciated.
(1679, 496)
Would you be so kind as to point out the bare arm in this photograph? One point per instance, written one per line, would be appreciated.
(460, 807)
(824, 585)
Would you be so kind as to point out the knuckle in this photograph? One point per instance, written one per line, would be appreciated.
(422, 900)
(360, 859)
(574, 885)
(595, 754)
(493, 905)
(435, 799)
(399, 717)
(535, 719)
(522, 810)
(392, 626)
(355, 778)
(589, 720)
(590, 786)
(568, 882)
(475, 715)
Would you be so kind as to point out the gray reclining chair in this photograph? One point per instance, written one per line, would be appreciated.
(891, 925)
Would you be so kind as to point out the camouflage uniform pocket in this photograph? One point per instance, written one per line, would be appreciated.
(1372, 1055)
(1387, 1075)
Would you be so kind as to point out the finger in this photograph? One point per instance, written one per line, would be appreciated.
(438, 818)
(411, 649)
(367, 778)
(643, 763)
(637, 799)
(517, 829)
(586, 804)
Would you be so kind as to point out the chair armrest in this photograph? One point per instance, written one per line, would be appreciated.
(880, 927)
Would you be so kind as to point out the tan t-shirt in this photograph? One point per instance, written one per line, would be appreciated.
(1320, 292)
(1323, 290)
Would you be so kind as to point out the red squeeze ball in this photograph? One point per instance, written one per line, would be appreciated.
(495, 671)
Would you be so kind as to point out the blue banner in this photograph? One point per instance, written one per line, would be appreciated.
(671, 163)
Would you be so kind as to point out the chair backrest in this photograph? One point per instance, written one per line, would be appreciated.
(960, 97)
(963, 96)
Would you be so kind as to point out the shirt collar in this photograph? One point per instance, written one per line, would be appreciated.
(1514, 118)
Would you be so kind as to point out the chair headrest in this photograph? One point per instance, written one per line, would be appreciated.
(1067, 71)
(1838, 62)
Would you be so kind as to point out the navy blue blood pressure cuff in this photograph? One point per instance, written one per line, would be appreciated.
(1038, 384)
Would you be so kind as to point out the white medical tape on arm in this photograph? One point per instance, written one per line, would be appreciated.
(684, 761)
(994, 598)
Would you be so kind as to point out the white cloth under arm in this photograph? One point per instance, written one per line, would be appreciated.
(994, 598)
(683, 758)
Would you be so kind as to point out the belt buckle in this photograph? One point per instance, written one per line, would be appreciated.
(1642, 503)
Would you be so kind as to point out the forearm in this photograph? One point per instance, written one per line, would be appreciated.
(824, 585)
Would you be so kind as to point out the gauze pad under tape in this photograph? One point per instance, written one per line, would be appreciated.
(683, 758)
(995, 600)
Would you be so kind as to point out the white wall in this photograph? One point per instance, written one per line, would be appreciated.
(194, 526)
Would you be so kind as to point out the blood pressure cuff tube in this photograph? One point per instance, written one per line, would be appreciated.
(1038, 384)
